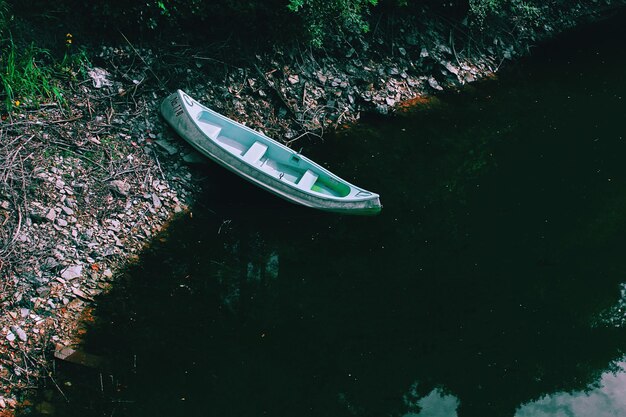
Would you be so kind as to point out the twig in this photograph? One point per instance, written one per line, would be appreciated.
(58, 387)
(143, 60)
(276, 91)
(288, 143)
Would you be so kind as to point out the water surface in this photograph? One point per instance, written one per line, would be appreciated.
(490, 284)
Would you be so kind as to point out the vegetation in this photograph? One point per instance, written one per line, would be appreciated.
(322, 16)
(30, 71)
(30, 74)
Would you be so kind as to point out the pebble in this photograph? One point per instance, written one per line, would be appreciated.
(20, 333)
(61, 222)
(52, 214)
(72, 272)
(120, 187)
(156, 201)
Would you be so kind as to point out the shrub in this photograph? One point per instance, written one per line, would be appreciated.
(323, 17)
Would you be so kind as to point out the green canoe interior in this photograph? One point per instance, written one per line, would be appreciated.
(256, 150)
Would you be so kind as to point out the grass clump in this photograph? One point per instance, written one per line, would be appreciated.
(28, 76)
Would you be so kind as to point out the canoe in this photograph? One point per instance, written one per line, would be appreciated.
(264, 161)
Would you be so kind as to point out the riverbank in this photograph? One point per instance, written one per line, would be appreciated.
(85, 188)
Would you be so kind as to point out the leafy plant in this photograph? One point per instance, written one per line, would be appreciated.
(322, 17)
(27, 76)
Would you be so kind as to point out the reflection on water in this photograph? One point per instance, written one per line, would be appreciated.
(487, 278)
(435, 404)
(608, 399)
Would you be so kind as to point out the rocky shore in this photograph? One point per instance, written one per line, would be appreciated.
(84, 188)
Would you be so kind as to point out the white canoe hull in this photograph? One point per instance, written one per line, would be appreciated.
(263, 161)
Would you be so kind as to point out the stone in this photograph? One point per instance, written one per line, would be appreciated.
(454, 70)
(10, 336)
(20, 333)
(293, 79)
(61, 222)
(72, 272)
(100, 77)
(67, 210)
(51, 215)
(434, 84)
(468, 78)
(424, 53)
(382, 109)
(120, 187)
(156, 201)
(169, 148)
(194, 157)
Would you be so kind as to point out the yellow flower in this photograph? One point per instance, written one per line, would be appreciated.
(68, 41)
(17, 102)
(69, 35)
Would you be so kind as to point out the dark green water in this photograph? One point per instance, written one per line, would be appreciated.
(490, 285)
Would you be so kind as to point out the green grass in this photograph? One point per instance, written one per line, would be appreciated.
(32, 75)
(28, 76)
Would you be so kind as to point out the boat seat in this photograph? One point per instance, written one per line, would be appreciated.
(307, 180)
(210, 129)
(255, 153)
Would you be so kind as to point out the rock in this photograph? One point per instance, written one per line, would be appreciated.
(156, 201)
(72, 272)
(454, 70)
(169, 148)
(78, 357)
(20, 333)
(120, 187)
(434, 84)
(10, 336)
(81, 294)
(382, 109)
(43, 291)
(390, 101)
(424, 53)
(100, 77)
(67, 210)
(61, 222)
(293, 79)
(51, 215)
(468, 78)
(402, 51)
(194, 157)
(107, 273)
